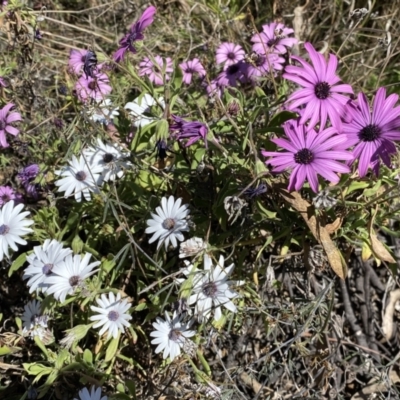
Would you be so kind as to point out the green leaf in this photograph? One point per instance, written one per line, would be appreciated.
(17, 264)
(88, 356)
(112, 349)
(36, 368)
(280, 118)
(162, 129)
(131, 387)
(77, 244)
(62, 357)
(356, 186)
(42, 347)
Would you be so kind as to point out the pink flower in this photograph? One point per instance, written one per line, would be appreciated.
(3, 82)
(309, 154)
(263, 64)
(6, 119)
(192, 67)
(6, 194)
(77, 60)
(191, 130)
(155, 71)
(229, 53)
(273, 38)
(320, 93)
(135, 33)
(232, 74)
(96, 88)
(373, 133)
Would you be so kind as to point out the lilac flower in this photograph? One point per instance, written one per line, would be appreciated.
(156, 71)
(229, 53)
(373, 133)
(6, 194)
(263, 64)
(273, 38)
(215, 88)
(320, 94)
(96, 87)
(192, 130)
(6, 119)
(3, 82)
(191, 67)
(135, 33)
(28, 174)
(77, 59)
(309, 154)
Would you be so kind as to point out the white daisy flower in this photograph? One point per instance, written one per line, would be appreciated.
(171, 335)
(42, 261)
(169, 222)
(211, 288)
(79, 178)
(141, 106)
(34, 323)
(69, 275)
(13, 225)
(102, 112)
(110, 157)
(94, 394)
(191, 247)
(111, 314)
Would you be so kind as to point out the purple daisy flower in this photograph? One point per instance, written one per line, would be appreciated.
(6, 119)
(309, 154)
(135, 33)
(28, 174)
(263, 64)
(154, 71)
(76, 60)
(3, 82)
(320, 94)
(6, 194)
(192, 67)
(229, 53)
(214, 88)
(96, 87)
(273, 38)
(373, 133)
(192, 130)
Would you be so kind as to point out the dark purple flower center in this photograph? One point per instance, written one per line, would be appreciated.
(233, 69)
(46, 269)
(83, 59)
(210, 289)
(108, 157)
(304, 157)
(3, 125)
(272, 42)
(189, 70)
(322, 90)
(80, 176)
(92, 85)
(168, 224)
(370, 133)
(4, 229)
(5, 198)
(33, 318)
(113, 315)
(174, 335)
(74, 280)
(231, 55)
(132, 37)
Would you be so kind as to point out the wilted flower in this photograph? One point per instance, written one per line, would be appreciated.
(135, 33)
(323, 200)
(191, 130)
(191, 67)
(34, 323)
(233, 206)
(3, 83)
(156, 71)
(191, 247)
(7, 118)
(257, 191)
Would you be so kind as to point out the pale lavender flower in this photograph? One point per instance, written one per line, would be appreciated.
(191, 130)
(309, 154)
(273, 38)
(320, 93)
(191, 67)
(264, 64)
(6, 119)
(77, 58)
(135, 33)
(6, 194)
(156, 71)
(229, 53)
(26, 176)
(96, 87)
(3, 82)
(373, 133)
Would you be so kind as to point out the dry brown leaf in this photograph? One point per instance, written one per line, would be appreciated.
(387, 322)
(380, 250)
(334, 226)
